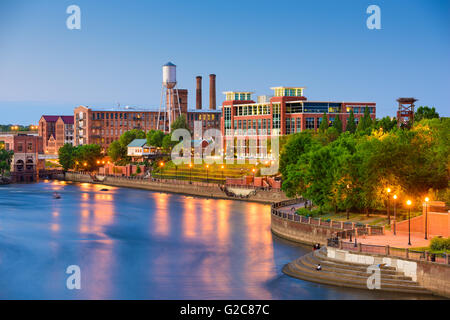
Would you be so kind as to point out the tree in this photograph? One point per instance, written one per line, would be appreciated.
(66, 156)
(128, 136)
(116, 152)
(337, 124)
(155, 138)
(425, 112)
(365, 123)
(351, 124)
(86, 156)
(167, 142)
(180, 123)
(324, 124)
(5, 160)
(118, 149)
(386, 123)
(293, 150)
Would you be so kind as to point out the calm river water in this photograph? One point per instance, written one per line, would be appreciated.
(136, 244)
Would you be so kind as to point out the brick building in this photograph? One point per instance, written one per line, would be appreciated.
(25, 162)
(288, 111)
(55, 132)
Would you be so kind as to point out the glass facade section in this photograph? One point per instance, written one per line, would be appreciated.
(309, 123)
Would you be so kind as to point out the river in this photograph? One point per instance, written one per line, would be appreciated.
(136, 244)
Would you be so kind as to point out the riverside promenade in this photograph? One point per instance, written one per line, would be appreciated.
(199, 189)
(400, 240)
(345, 263)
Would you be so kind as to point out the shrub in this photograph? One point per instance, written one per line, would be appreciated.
(440, 244)
(306, 213)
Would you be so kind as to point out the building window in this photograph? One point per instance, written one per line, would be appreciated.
(309, 123)
(299, 125)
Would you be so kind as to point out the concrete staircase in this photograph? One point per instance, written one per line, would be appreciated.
(346, 274)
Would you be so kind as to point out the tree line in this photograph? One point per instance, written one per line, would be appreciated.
(351, 170)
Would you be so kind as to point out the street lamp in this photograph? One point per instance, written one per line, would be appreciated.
(395, 214)
(388, 190)
(222, 167)
(408, 203)
(190, 173)
(426, 217)
(161, 165)
(207, 177)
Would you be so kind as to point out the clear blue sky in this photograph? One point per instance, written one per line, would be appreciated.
(250, 45)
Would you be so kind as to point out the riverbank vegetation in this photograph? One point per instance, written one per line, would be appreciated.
(352, 170)
(84, 157)
(5, 161)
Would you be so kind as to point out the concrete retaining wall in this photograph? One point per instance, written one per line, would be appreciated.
(432, 276)
(300, 232)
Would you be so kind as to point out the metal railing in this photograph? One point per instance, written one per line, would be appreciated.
(389, 251)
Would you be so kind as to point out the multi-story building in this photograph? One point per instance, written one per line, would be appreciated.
(104, 126)
(56, 131)
(96, 126)
(25, 162)
(288, 111)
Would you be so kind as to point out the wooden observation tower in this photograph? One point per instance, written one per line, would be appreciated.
(405, 112)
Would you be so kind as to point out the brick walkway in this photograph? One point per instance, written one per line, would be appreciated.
(398, 241)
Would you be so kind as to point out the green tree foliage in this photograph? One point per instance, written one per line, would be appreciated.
(66, 156)
(118, 149)
(425, 112)
(352, 171)
(167, 142)
(386, 123)
(337, 124)
(116, 152)
(365, 123)
(155, 138)
(5, 160)
(180, 123)
(351, 124)
(83, 157)
(324, 124)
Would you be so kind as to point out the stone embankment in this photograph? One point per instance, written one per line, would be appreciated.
(199, 189)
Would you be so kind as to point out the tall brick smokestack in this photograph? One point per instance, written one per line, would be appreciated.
(212, 92)
(198, 101)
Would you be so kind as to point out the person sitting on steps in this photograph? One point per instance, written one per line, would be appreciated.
(318, 268)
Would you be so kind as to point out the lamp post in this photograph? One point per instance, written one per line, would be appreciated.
(388, 190)
(253, 170)
(426, 217)
(207, 177)
(408, 203)
(395, 214)
(190, 173)
(222, 167)
(161, 164)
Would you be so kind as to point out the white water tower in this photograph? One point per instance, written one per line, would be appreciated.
(170, 108)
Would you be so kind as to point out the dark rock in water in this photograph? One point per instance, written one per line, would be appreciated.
(104, 189)
(4, 180)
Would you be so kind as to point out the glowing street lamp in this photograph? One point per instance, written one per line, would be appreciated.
(161, 165)
(426, 217)
(190, 173)
(395, 214)
(408, 203)
(222, 167)
(388, 190)
(207, 177)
